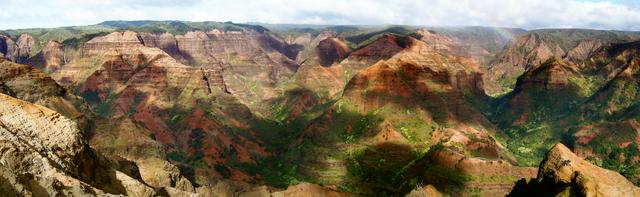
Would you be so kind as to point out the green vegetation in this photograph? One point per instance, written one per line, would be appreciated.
(223, 170)
(195, 144)
(529, 143)
(342, 146)
(233, 58)
(178, 156)
(360, 39)
(102, 108)
(391, 169)
(609, 154)
(363, 125)
(587, 86)
(175, 116)
(569, 38)
(507, 83)
(538, 116)
(274, 170)
(79, 40)
(177, 27)
(384, 167)
(73, 34)
(618, 159)
(414, 128)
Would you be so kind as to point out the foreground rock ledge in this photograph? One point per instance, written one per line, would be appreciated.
(562, 173)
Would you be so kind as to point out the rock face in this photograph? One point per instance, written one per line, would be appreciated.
(166, 41)
(24, 44)
(235, 56)
(308, 189)
(7, 47)
(27, 133)
(127, 142)
(320, 70)
(44, 153)
(61, 135)
(611, 138)
(427, 191)
(524, 53)
(564, 173)
(585, 49)
(331, 50)
(50, 58)
(122, 41)
(319, 73)
(527, 51)
(163, 103)
(226, 58)
(27, 83)
(206, 112)
(383, 48)
(18, 50)
(448, 45)
(32, 85)
(309, 44)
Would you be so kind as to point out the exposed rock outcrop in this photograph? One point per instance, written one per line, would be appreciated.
(44, 153)
(331, 50)
(448, 45)
(563, 173)
(320, 71)
(122, 139)
(584, 50)
(309, 45)
(39, 142)
(166, 41)
(158, 101)
(308, 189)
(382, 48)
(426, 191)
(528, 51)
(17, 49)
(235, 56)
(25, 46)
(35, 86)
(7, 47)
(120, 41)
(50, 58)
(226, 58)
(524, 53)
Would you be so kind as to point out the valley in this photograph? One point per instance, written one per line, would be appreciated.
(178, 108)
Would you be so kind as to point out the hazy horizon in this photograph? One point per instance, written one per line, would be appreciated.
(543, 14)
(301, 25)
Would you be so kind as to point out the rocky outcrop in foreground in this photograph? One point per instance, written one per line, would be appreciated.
(562, 173)
(43, 153)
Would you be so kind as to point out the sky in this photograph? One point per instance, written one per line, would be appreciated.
(528, 14)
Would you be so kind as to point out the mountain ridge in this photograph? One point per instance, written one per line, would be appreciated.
(199, 108)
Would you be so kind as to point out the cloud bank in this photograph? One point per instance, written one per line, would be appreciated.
(596, 14)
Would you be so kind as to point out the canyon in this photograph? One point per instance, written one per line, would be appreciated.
(175, 108)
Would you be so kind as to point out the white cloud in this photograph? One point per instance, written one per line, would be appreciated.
(506, 13)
